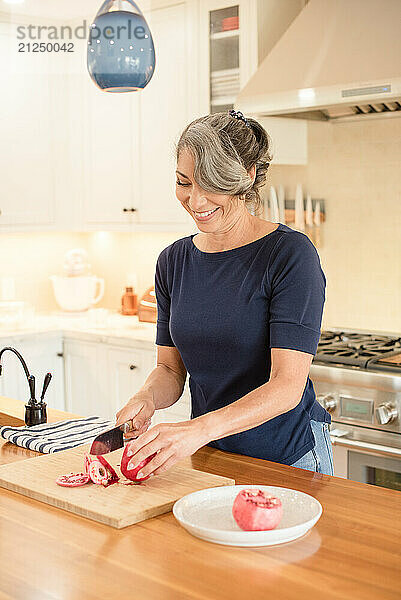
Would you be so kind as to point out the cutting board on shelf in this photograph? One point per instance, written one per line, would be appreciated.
(118, 505)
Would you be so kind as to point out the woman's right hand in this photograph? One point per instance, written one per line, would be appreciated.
(140, 410)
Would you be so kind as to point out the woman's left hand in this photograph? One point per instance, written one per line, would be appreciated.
(170, 441)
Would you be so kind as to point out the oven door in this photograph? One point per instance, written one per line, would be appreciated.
(367, 455)
(375, 470)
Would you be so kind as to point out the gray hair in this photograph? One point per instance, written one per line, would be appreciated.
(224, 150)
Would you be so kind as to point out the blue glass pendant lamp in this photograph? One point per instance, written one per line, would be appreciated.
(121, 54)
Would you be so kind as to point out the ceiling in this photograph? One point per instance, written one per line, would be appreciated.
(59, 9)
(65, 9)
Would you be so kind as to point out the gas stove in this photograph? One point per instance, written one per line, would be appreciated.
(357, 378)
(360, 350)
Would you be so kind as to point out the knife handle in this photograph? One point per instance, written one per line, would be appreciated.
(126, 427)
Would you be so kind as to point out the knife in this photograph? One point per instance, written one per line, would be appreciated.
(274, 213)
(299, 209)
(110, 440)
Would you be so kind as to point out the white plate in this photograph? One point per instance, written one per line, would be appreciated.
(207, 515)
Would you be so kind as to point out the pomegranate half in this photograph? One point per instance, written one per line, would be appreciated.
(253, 510)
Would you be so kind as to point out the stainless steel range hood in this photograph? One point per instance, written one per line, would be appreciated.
(338, 59)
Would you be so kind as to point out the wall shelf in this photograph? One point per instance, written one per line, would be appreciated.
(221, 35)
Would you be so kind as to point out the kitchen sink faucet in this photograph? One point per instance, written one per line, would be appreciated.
(35, 412)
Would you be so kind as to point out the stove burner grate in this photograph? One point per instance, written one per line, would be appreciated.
(355, 349)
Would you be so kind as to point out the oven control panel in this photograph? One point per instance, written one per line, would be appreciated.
(356, 409)
(367, 408)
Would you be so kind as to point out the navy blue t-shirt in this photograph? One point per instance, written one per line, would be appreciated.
(223, 311)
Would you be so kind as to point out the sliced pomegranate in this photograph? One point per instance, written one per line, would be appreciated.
(132, 473)
(253, 510)
(73, 479)
(113, 478)
(99, 470)
(87, 463)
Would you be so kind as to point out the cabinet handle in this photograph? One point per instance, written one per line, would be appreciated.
(132, 210)
(60, 354)
(132, 367)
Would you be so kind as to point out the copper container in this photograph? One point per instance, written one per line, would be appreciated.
(129, 302)
(147, 308)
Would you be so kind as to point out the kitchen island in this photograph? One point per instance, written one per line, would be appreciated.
(352, 552)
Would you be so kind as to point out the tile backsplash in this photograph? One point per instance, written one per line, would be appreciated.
(356, 167)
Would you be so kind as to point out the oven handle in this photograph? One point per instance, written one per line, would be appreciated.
(366, 446)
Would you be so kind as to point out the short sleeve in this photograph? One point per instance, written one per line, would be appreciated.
(163, 337)
(297, 294)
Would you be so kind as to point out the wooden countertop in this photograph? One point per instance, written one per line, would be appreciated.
(353, 552)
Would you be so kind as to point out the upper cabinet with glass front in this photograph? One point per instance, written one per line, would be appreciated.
(234, 38)
(224, 57)
(228, 51)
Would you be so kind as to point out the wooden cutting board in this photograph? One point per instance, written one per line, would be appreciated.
(117, 505)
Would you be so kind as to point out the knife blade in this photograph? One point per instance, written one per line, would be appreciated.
(110, 440)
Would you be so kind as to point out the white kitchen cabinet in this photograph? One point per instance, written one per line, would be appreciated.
(111, 186)
(37, 136)
(75, 157)
(101, 377)
(163, 112)
(89, 377)
(229, 58)
(127, 370)
(128, 139)
(27, 140)
(84, 379)
(42, 354)
(289, 139)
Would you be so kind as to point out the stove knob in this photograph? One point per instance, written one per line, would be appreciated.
(328, 401)
(386, 413)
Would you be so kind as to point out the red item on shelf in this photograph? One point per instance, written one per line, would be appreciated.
(230, 23)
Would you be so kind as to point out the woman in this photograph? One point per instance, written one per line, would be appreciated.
(239, 309)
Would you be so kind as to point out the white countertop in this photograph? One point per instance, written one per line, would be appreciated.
(98, 325)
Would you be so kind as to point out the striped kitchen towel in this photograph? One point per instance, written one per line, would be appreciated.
(53, 437)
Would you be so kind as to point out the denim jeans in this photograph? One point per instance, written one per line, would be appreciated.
(320, 458)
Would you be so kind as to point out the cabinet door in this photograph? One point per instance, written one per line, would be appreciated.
(27, 144)
(228, 56)
(129, 138)
(163, 114)
(46, 356)
(128, 369)
(42, 354)
(111, 181)
(84, 388)
(100, 379)
(289, 139)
